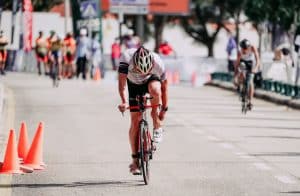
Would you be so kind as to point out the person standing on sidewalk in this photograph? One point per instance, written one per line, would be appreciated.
(115, 54)
(41, 51)
(3, 52)
(69, 51)
(83, 53)
(232, 52)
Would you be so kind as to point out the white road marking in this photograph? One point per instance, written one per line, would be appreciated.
(244, 155)
(262, 166)
(226, 145)
(198, 131)
(213, 138)
(285, 179)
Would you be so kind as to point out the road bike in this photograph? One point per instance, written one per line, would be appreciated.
(244, 87)
(146, 147)
(54, 70)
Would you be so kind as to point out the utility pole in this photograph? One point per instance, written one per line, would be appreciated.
(140, 27)
(14, 13)
(67, 15)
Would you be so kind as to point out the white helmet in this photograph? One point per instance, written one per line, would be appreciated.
(143, 60)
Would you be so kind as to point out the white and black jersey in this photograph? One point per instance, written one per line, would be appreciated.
(127, 67)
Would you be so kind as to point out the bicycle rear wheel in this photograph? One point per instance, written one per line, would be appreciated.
(145, 151)
(244, 99)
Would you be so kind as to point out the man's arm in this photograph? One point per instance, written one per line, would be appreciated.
(237, 63)
(122, 87)
(164, 93)
(256, 59)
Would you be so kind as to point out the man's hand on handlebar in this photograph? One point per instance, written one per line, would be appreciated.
(122, 107)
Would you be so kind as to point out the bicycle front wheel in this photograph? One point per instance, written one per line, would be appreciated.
(145, 151)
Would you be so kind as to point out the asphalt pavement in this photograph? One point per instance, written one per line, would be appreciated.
(210, 148)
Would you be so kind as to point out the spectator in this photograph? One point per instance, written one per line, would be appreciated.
(41, 50)
(115, 54)
(69, 55)
(165, 49)
(232, 52)
(3, 52)
(83, 52)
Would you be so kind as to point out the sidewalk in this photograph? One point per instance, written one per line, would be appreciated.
(1, 99)
(261, 94)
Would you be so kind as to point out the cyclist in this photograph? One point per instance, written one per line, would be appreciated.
(144, 72)
(249, 56)
(56, 45)
(3, 52)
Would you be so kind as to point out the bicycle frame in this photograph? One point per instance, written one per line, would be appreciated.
(145, 143)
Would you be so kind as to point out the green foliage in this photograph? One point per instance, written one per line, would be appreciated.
(280, 12)
(38, 5)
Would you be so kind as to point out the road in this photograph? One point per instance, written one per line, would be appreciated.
(209, 147)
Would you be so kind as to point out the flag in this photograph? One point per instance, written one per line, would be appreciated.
(27, 14)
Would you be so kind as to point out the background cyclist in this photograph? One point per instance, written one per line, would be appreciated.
(143, 72)
(248, 55)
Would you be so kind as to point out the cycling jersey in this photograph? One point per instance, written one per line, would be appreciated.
(248, 57)
(127, 67)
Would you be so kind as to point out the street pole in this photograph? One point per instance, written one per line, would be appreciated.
(14, 12)
(21, 39)
(67, 15)
(140, 27)
(121, 20)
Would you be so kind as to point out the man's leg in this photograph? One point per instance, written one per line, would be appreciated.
(78, 66)
(251, 89)
(39, 66)
(154, 89)
(133, 138)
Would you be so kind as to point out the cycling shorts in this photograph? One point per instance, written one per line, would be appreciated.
(138, 89)
(3, 55)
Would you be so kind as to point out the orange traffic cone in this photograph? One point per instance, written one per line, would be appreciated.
(34, 157)
(11, 163)
(23, 142)
(194, 78)
(176, 77)
(169, 77)
(97, 75)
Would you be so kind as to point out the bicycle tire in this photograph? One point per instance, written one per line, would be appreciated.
(145, 150)
(54, 75)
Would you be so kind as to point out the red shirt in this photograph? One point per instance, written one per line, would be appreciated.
(115, 51)
(165, 49)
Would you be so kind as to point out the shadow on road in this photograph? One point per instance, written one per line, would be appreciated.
(76, 184)
(276, 137)
(291, 192)
(277, 154)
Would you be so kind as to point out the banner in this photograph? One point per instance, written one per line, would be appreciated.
(178, 7)
(27, 16)
(172, 7)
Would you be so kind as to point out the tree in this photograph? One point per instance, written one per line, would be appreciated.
(196, 25)
(38, 5)
(279, 13)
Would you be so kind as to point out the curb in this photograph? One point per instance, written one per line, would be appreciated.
(1, 98)
(261, 94)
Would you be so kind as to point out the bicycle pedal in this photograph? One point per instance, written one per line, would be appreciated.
(154, 148)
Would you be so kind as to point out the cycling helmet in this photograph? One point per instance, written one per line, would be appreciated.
(245, 44)
(143, 60)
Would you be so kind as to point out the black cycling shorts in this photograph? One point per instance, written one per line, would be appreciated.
(138, 89)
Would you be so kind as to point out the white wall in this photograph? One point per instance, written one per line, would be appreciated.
(42, 21)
